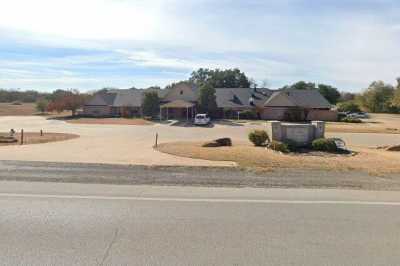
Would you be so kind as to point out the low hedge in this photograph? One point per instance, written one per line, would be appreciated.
(248, 114)
(258, 137)
(279, 146)
(293, 146)
(322, 144)
(351, 120)
(222, 142)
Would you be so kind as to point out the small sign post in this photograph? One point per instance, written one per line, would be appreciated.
(22, 137)
(156, 144)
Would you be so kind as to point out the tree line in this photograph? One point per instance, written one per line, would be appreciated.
(29, 96)
(379, 97)
(62, 100)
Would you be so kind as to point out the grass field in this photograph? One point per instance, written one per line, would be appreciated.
(36, 138)
(9, 109)
(28, 109)
(25, 109)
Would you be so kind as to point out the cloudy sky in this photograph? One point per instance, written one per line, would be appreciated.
(90, 44)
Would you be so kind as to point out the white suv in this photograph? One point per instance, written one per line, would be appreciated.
(202, 119)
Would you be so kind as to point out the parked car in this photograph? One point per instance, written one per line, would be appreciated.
(361, 115)
(202, 120)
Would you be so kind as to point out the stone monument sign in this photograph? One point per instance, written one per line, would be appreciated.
(302, 134)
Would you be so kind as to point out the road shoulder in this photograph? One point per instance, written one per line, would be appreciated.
(191, 176)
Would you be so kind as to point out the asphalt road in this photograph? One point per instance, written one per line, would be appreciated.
(88, 224)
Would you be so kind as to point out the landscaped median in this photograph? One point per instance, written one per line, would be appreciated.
(27, 138)
(372, 161)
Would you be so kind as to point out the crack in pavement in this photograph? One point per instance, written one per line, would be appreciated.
(107, 252)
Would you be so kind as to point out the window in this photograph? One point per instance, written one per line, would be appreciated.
(181, 92)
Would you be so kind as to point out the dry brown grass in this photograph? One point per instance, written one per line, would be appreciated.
(378, 123)
(366, 127)
(369, 160)
(110, 121)
(35, 138)
(9, 109)
(25, 109)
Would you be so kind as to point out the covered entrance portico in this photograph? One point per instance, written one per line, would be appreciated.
(177, 109)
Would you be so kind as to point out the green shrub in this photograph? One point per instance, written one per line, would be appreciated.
(322, 144)
(258, 137)
(211, 144)
(248, 114)
(218, 143)
(42, 105)
(351, 120)
(349, 106)
(279, 146)
(224, 141)
(292, 145)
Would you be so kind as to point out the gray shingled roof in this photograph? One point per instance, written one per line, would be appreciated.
(181, 91)
(132, 97)
(101, 99)
(260, 95)
(240, 97)
(119, 98)
(225, 97)
(299, 98)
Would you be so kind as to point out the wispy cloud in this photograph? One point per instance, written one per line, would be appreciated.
(94, 43)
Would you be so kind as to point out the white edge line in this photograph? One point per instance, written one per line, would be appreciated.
(211, 200)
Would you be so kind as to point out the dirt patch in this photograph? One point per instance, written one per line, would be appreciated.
(107, 121)
(376, 162)
(36, 138)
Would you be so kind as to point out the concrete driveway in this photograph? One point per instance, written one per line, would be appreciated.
(372, 139)
(118, 144)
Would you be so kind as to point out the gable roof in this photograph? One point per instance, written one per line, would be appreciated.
(120, 98)
(260, 95)
(225, 97)
(131, 97)
(241, 97)
(181, 91)
(102, 99)
(232, 97)
(298, 98)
